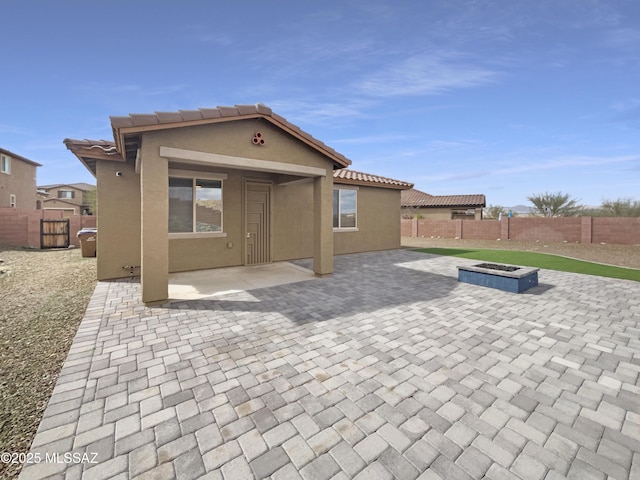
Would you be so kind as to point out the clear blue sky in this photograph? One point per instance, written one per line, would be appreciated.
(508, 98)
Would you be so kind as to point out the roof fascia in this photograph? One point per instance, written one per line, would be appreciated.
(228, 161)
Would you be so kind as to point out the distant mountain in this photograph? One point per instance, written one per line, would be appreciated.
(521, 209)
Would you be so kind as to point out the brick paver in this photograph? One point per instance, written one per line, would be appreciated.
(390, 368)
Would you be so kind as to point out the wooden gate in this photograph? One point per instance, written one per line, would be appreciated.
(54, 233)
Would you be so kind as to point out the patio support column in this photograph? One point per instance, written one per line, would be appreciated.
(323, 225)
(154, 198)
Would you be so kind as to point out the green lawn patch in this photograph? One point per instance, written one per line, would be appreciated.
(540, 260)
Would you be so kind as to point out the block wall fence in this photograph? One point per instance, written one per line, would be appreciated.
(617, 230)
(21, 227)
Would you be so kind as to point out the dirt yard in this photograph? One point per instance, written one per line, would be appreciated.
(621, 255)
(43, 296)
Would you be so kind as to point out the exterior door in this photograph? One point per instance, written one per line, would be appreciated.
(257, 222)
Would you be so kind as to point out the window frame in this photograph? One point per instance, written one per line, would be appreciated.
(13, 200)
(7, 170)
(64, 197)
(339, 228)
(197, 175)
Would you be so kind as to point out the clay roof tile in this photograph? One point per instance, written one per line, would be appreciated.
(191, 115)
(229, 111)
(347, 176)
(139, 119)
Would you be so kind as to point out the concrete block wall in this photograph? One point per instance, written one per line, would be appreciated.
(436, 228)
(479, 230)
(548, 229)
(615, 230)
(21, 227)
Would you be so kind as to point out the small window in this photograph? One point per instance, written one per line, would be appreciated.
(463, 214)
(12, 201)
(66, 194)
(5, 164)
(345, 208)
(195, 205)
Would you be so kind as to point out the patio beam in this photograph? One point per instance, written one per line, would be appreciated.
(241, 163)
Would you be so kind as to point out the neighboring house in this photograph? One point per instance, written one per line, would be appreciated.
(70, 198)
(228, 186)
(442, 207)
(17, 181)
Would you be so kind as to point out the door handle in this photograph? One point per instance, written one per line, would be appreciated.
(248, 234)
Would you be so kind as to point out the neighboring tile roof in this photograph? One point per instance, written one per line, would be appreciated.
(19, 157)
(416, 198)
(133, 123)
(352, 177)
(78, 186)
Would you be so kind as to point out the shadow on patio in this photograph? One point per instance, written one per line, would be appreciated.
(360, 283)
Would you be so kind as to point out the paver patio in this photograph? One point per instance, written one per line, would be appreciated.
(388, 369)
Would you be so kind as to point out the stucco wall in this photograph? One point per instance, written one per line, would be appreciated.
(21, 182)
(54, 203)
(291, 205)
(292, 217)
(118, 242)
(78, 195)
(378, 228)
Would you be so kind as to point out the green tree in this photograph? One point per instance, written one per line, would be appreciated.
(621, 207)
(555, 204)
(494, 211)
(90, 198)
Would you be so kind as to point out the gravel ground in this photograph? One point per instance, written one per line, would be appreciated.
(43, 296)
(621, 255)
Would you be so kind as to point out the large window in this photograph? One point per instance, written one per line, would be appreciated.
(5, 164)
(66, 194)
(345, 208)
(195, 205)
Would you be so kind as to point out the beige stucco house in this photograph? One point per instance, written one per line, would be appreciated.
(17, 180)
(228, 186)
(70, 198)
(416, 203)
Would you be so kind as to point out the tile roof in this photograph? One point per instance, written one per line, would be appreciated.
(127, 125)
(79, 186)
(90, 151)
(416, 198)
(85, 150)
(346, 176)
(106, 146)
(19, 157)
